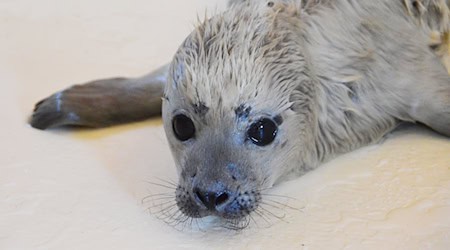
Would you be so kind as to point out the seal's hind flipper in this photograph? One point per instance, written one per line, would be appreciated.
(103, 103)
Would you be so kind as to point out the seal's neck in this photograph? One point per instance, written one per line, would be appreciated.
(346, 116)
(345, 122)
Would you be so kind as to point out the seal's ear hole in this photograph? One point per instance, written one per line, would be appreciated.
(183, 127)
(262, 132)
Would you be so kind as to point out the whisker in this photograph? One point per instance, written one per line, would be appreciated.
(158, 195)
(198, 225)
(237, 224)
(167, 216)
(172, 217)
(283, 205)
(169, 212)
(272, 214)
(169, 182)
(161, 194)
(161, 185)
(246, 222)
(230, 225)
(271, 205)
(280, 196)
(163, 203)
(157, 200)
(162, 198)
(162, 209)
(264, 189)
(166, 205)
(253, 219)
(264, 217)
(175, 220)
(191, 221)
(183, 222)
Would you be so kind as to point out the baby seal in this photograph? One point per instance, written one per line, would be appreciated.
(268, 90)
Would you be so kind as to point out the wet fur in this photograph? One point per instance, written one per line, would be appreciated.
(336, 74)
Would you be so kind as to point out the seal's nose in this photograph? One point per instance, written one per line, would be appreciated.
(211, 199)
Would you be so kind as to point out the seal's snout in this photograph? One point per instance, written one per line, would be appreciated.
(217, 180)
(213, 200)
(217, 199)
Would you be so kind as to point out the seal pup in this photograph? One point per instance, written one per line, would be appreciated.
(268, 90)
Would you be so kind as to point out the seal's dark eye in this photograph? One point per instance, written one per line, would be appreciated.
(262, 132)
(183, 127)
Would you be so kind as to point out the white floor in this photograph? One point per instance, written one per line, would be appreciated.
(83, 189)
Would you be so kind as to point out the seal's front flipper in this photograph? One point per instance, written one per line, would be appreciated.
(103, 103)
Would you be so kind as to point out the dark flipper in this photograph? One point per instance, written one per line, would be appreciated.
(103, 103)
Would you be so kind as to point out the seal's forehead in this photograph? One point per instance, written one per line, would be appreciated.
(238, 58)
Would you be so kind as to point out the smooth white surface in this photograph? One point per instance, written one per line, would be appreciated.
(83, 189)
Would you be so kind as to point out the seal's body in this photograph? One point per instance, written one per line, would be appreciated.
(270, 89)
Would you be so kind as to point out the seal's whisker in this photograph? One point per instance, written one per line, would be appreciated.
(280, 196)
(163, 215)
(174, 221)
(264, 181)
(230, 225)
(254, 221)
(169, 182)
(184, 224)
(266, 214)
(182, 220)
(167, 217)
(271, 205)
(169, 213)
(163, 203)
(263, 207)
(157, 200)
(164, 200)
(246, 221)
(161, 185)
(196, 223)
(279, 205)
(235, 224)
(165, 208)
(161, 206)
(171, 217)
(280, 217)
(191, 222)
(240, 224)
(177, 214)
(161, 199)
(263, 217)
(168, 194)
(162, 209)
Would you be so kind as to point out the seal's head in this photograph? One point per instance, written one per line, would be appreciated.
(236, 108)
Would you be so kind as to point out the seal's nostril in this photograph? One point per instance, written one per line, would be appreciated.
(222, 198)
(211, 200)
(200, 196)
